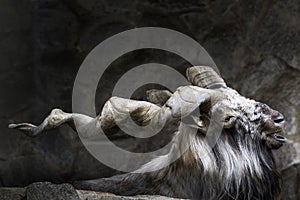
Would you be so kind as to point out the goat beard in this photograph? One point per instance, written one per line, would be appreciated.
(239, 166)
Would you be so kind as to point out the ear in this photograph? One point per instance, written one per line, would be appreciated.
(229, 121)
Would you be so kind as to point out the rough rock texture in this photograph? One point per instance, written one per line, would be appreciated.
(89, 195)
(255, 45)
(46, 190)
(12, 193)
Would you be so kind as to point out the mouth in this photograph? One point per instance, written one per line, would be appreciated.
(278, 137)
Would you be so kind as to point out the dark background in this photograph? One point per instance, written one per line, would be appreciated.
(255, 44)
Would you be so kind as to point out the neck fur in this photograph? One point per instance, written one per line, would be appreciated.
(238, 167)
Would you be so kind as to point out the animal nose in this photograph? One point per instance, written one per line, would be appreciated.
(278, 118)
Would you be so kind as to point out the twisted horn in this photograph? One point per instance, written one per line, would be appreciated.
(205, 77)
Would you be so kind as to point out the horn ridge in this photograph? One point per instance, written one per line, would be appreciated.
(205, 77)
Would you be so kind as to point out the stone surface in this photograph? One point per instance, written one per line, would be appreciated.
(291, 179)
(47, 191)
(89, 195)
(12, 193)
(43, 42)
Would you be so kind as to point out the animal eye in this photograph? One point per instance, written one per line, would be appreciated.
(227, 118)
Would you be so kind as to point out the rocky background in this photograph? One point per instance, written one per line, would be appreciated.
(255, 44)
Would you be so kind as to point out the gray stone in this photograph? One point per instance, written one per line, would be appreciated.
(277, 31)
(46, 190)
(89, 195)
(291, 180)
(12, 193)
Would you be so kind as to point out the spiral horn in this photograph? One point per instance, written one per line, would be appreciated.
(205, 77)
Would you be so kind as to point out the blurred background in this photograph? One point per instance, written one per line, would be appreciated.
(255, 44)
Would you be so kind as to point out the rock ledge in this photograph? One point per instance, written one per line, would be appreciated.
(47, 190)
